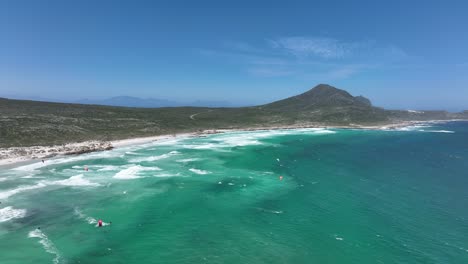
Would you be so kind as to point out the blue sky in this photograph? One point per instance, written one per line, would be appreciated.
(400, 54)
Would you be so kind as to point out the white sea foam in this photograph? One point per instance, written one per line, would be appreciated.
(239, 139)
(167, 175)
(197, 171)
(96, 155)
(3, 179)
(46, 244)
(9, 213)
(31, 167)
(154, 158)
(440, 131)
(129, 173)
(132, 172)
(90, 220)
(8, 193)
(422, 128)
(76, 180)
(413, 128)
(108, 168)
(205, 146)
(187, 160)
(269, 211)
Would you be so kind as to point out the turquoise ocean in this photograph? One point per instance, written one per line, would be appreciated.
(282, 196)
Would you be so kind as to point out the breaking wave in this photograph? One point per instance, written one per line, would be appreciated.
(8, 193)
(46, 244)
(9, 213)
(154, 158)
(76, 180)
(197, 171)
(132, 172)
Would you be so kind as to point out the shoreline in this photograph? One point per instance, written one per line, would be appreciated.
(14, 156)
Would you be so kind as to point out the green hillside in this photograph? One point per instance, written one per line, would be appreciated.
(26, 123)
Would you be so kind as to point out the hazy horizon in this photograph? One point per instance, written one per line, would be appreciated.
(400, 55)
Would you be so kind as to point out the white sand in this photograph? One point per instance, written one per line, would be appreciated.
(12, 156)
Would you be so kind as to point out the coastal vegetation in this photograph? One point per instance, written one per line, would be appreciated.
(28, 123)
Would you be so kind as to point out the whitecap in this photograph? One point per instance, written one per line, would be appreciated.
(31, 167)
(440, 131)
(154, 158)
(46, 244)
(270, 211)
(239, 139)
(9, 213)
(197, 171)
(8, 193)
(68, 159)
(108, 168)
(132, 172)
(167, 175)
(76, 180)
(187, 160)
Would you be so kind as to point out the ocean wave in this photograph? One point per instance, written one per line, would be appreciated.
(108, 168)
(46, 244)
(132, 172)
(32, 176)
(76, 180)
(89, 156)
(8, 213)
(205, 146)
(197, 171)
(154, 158)
(440, 131)
(167, 174)
(240, 139)
(31, 167)
(188, 160)
(269, 211)
(8, 193)
(408, 128)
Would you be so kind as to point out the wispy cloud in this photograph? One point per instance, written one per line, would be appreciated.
(321, 47)
(308, 57)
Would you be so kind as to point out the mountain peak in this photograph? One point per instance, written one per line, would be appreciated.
(325, 90)
(322, 95)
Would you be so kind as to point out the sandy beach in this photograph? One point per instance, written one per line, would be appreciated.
(19, 155)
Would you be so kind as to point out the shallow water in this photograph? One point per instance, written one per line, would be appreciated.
(346, 196)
